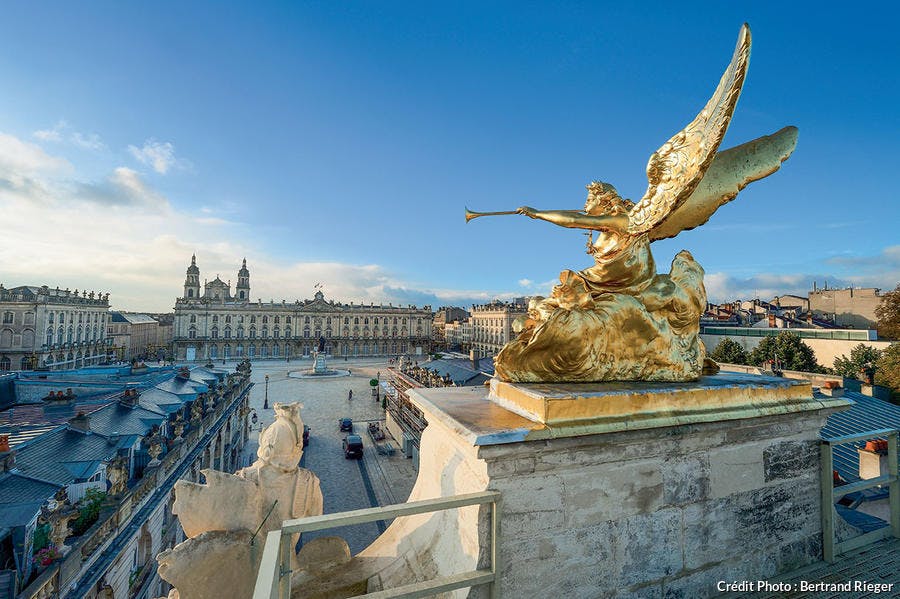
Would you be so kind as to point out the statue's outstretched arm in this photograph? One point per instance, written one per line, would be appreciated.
(575, 219)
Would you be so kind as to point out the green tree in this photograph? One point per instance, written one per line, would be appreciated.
(888, 314)
(861, 356)
(887, 369)
(789, 350)
(729, 351)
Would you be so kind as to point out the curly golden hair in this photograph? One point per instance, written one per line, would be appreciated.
(604, 199)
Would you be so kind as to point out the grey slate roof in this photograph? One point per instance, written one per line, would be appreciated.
(185, 387)
(461, 371)
(132, 318)
(40, 459)
(118, 419)
(22, 498)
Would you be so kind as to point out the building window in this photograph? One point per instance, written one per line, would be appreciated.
(192, 334)
(228, 319)
(287, 320)
(276, 331)
(265, 319)
(7, 319)
(277, 319)
(214, 333)
(346, 320)
(356, 320)
(242, 295)
(287, 332)
(193, 318)
(253, 332)
(69, 334)
(252, 319)
(227, 333)
(215, 318)
(190, 293)
(240, 332)
(306, 333)
(49, 335)
(265, 332)
(4, 363)
(51, 318)
(306, 320)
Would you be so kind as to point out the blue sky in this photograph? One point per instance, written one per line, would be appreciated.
(340, 142)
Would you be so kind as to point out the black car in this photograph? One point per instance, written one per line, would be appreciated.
(353, 447)
(305, 435)
(346, 425)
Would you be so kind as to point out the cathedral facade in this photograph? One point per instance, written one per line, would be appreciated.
(213, 323)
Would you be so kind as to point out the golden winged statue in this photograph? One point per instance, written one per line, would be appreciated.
(619, 319)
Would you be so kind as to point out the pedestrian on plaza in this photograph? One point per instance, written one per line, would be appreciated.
(350, 395)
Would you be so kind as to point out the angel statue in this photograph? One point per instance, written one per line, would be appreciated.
(619, 319)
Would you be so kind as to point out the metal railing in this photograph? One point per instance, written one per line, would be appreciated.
(274, 578)
(830, 493)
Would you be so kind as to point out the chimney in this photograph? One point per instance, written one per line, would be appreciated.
(832, 389)
(81, 423)
(771, 321)
(809, 318)
(873, 459)
(7, 455)
(129, 397)
(867, 389)
(473, 356)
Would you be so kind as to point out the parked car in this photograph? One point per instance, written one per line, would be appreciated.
(353, 447)
(305, 435)
(346, 425)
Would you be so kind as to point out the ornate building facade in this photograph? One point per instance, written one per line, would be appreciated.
(53, 328)
(492, 325)
(216, 325)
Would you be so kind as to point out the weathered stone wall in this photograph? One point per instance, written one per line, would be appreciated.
(663, 512)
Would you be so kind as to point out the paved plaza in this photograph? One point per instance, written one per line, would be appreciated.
(346, 484)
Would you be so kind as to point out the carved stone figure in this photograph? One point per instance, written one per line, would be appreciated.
(196, 411)
(220, 516)
(619, 319)
(58, 512)
(117, 475)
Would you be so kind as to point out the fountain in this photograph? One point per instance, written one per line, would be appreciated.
(319, 369)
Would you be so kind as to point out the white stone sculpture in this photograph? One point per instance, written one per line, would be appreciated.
(220, 517)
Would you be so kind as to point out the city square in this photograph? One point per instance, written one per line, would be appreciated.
(375, 479)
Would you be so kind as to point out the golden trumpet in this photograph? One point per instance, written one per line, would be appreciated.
(470, 215)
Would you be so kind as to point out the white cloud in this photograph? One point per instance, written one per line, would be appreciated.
(124, 187)
(90, 141)
(160, 156)
(525, 282)
(62, 131)
(20, 159)
(54, 134)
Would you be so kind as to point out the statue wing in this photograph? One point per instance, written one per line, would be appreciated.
(730, 172)
(675, 170)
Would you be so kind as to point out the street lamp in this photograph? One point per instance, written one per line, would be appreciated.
(266, 401)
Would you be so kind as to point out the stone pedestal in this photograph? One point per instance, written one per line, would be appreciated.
(319, 364)
(613, 490)
(640, 489)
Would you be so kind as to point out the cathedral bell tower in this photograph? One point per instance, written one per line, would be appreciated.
(192, 280)
(242, 291)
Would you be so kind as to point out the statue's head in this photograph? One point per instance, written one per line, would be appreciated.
(281, 443)
(603, 199)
